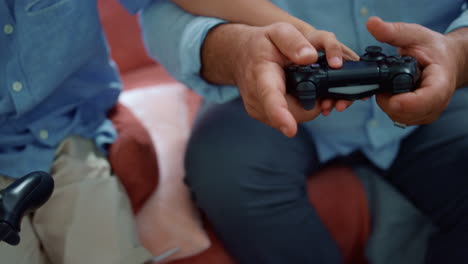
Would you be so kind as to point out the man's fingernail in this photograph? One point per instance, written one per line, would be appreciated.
(284, 130)
(336, 61)
(305, 52)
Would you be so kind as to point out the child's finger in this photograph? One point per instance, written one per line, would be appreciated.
(292, 43)
(349, 54)
(332, 47)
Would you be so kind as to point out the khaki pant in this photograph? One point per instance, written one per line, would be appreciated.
(88, 219)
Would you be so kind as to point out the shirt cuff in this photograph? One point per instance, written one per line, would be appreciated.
(461, 21)
(174, 38)
(190, 51)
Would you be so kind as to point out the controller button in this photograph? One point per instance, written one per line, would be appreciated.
(395, 60)
(304, 68)
(373, 53)
(373, 49)
(392, 59)
(402, 83)
(305, 87)
(408, 59)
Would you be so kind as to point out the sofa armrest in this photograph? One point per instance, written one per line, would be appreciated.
(133, 157)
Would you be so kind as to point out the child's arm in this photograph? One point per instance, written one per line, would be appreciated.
(250, 12)
(257, 13)
(264, 13)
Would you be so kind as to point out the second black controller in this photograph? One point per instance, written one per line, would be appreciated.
(374, 73)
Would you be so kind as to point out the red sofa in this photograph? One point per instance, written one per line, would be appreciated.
(336, 193)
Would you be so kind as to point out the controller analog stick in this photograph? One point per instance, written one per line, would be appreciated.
(373, 53)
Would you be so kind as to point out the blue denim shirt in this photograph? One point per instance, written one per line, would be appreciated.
(174, 38)
(56, 79)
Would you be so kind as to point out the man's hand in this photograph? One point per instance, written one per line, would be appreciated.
(443, 60)
(254, 59)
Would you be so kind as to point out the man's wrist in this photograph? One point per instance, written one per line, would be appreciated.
(459, 38)
(219, 53)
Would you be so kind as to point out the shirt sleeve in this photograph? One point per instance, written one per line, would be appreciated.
(461, 21)
(133, 6)
(174, 38)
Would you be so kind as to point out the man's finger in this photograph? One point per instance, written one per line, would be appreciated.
(397, 34)
(420, 105)
(406, 107)
(300, 114)
(292, 43)
(326, 104)
(428, 96)
(252, 109)
(342, 105)
(271, 95)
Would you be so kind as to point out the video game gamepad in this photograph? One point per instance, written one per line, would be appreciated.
(24, 195)
(373, 73)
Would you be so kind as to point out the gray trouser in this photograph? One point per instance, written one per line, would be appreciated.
(250, 181)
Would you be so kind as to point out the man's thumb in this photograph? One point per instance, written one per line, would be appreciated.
(396, 34)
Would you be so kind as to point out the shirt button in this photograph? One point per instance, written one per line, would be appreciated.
(44, 134)
(8, 29)
(364, 11)
(373, 123)
(17, 86)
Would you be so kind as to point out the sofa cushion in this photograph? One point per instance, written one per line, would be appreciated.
(169, 223)
(132, 157)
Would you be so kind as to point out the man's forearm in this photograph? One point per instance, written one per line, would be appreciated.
(219, 53)
(460, 38)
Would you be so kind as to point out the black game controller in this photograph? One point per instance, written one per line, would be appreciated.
(22, 196)
(374, 73)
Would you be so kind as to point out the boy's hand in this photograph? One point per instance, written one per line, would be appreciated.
(255, 58)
